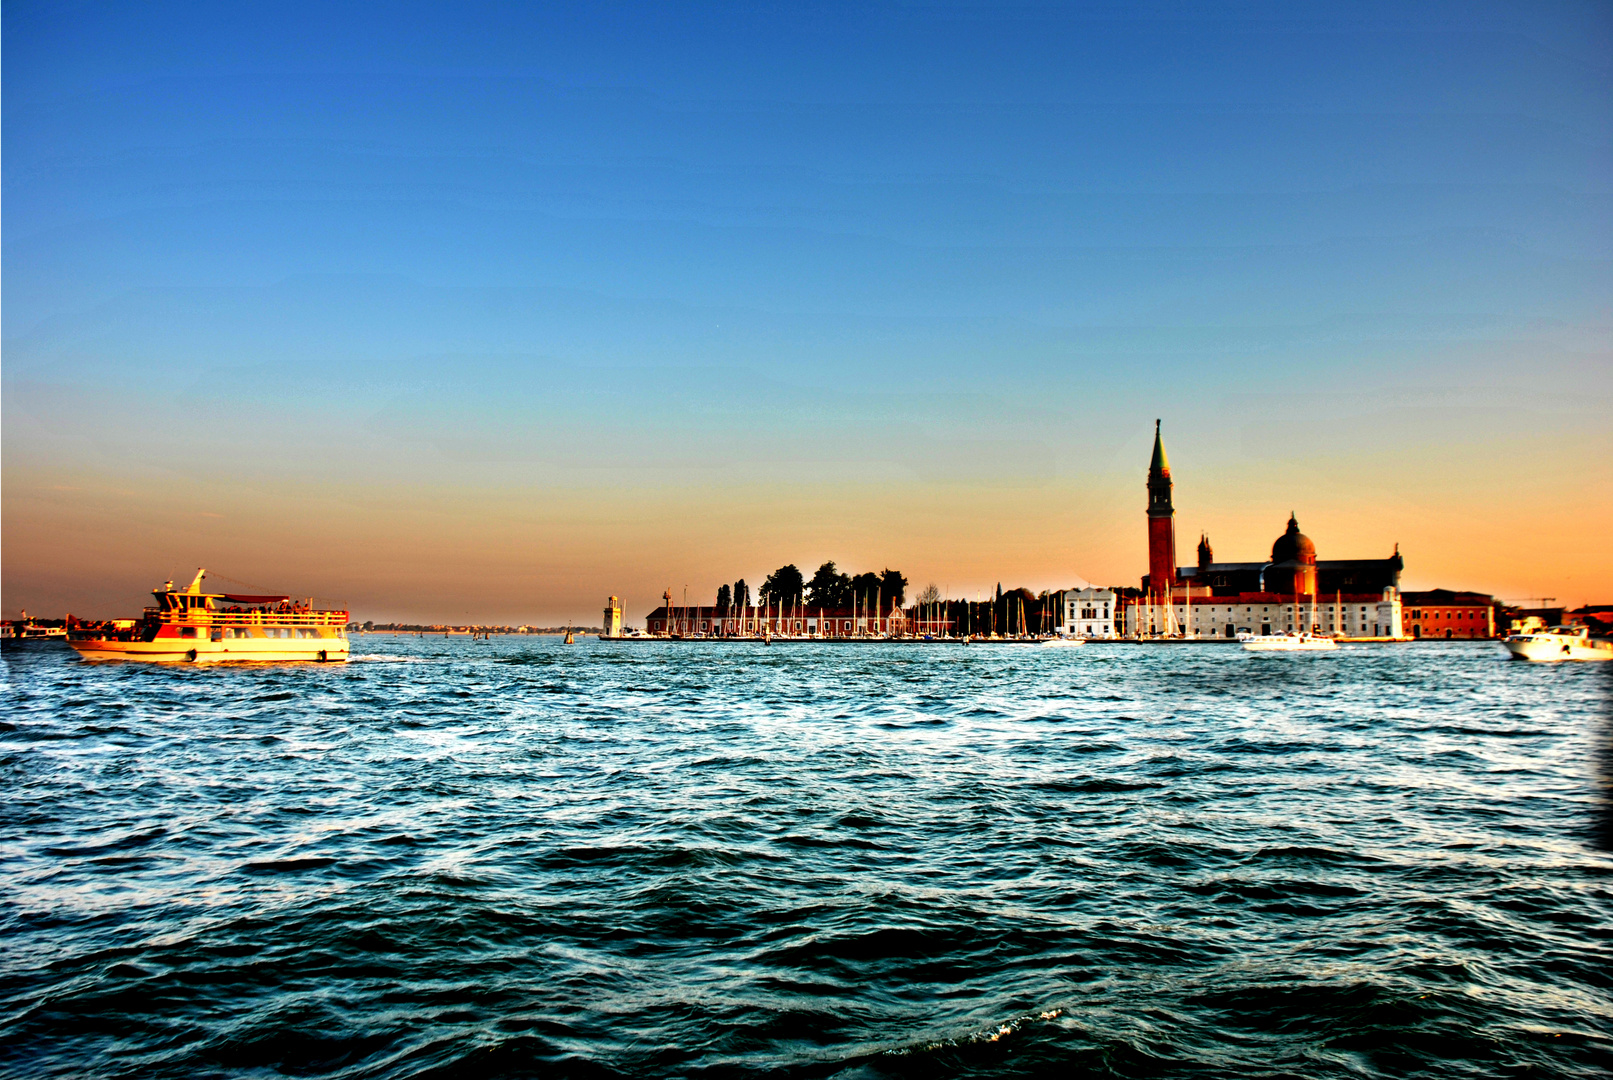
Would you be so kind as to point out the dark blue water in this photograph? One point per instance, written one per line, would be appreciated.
(457, 859)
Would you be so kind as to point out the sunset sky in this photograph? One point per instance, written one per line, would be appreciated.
(486, 312)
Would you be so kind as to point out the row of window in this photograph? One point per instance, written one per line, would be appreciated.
(263, 632)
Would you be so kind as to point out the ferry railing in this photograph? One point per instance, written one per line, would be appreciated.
(199, 617)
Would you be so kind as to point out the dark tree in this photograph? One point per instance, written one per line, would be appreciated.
(1017, 610)
(893, 588)
(828, 588)
(784, 585)
(741, 594)
(865, 590)
(724, 598)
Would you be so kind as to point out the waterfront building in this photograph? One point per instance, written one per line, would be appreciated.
(1292, 568)
(1599, 617)
(1292, 590)
(1088, 613)
(611, 621)
(1441, 613)
(1345, 615)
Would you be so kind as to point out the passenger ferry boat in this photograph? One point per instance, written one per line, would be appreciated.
(191, 626)
(1558, 643)
(1289, 642)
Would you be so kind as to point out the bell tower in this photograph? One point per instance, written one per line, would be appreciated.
(1161, 520)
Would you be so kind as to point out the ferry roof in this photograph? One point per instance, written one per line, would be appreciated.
(195, 589)
(234, 598)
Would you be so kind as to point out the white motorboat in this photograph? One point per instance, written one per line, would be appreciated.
(1558, 643)
(1062, 642)
(1289, 642)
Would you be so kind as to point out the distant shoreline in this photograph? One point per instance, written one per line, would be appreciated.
(434, 631)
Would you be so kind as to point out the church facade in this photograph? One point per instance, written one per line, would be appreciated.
(1292, 568)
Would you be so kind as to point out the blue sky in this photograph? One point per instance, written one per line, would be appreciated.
(584, 271)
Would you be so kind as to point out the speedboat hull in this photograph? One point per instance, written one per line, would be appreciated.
(1288, 643)
(1550, 648)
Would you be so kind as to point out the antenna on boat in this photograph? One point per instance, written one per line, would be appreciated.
(196, 583)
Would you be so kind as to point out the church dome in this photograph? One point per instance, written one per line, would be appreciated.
(1293, 545)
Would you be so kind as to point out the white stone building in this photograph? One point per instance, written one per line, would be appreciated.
(1087, 613)
(1266, 613)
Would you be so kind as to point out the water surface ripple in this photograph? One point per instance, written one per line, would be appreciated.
(518, 858)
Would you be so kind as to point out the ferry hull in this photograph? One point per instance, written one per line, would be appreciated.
(247, 651)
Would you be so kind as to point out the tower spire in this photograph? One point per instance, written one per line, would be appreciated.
(1161, 465)
(1161, 520)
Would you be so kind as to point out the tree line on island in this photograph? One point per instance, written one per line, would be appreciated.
(788, 587)
(1013, 612)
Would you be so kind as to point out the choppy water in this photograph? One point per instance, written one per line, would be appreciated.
(457, 859)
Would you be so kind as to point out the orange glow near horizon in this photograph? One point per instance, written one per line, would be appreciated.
(93, 544)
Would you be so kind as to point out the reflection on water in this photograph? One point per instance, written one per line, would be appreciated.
(517, 858)
(1602, 711)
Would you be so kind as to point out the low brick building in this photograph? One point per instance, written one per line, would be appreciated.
(1441, 613)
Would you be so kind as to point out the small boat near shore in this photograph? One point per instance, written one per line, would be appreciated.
(191, 626)
(1558, 643)
(1061, 642)
(27, 629)
(1289, 642)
